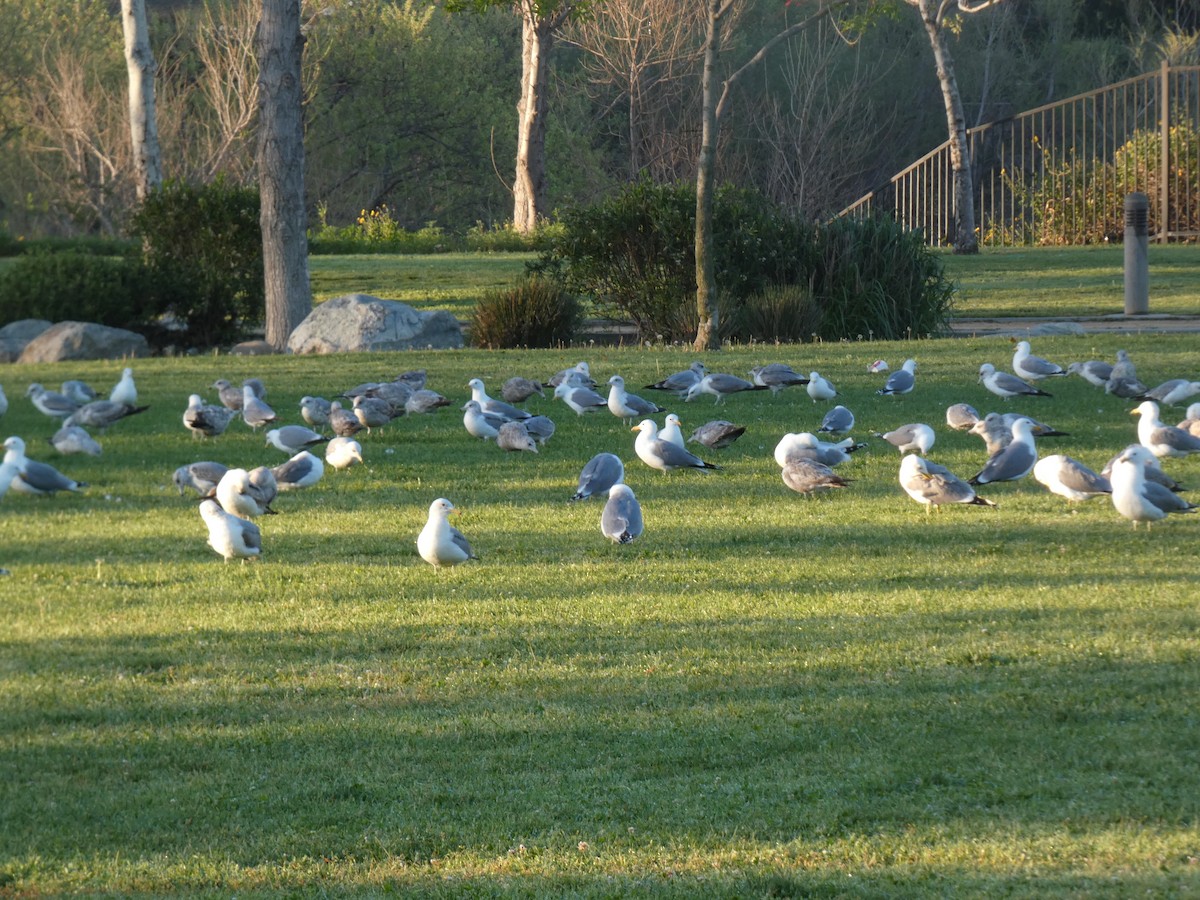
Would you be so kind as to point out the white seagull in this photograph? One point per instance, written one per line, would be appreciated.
(819, 387)
(479, 424)
(627, 406)
(205, 420)
(1007, 386)
(600, 473)
(934, 485)
(1014, 461)
(202, 477)
(1031, 367)
(342, 452)
(34, 477)
(440, 543)
(73, 439)
(901, 381)
(1162, 440)
(915, 436)
(291, 439)
(1070, 478)
(230, 536)
(124, 391)
(301, 471)
(671, 430)
(239, 497)
(255, 412)
(663, 455)
(1130, 493)
(621, 520)
(491, 407)
(580, 399)
(720, 385)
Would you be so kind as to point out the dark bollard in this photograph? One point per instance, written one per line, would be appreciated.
(1137, 263)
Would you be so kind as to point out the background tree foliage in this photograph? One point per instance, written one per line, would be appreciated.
(410, 107)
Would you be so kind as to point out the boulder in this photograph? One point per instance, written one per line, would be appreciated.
(83, 340)
(362, 322)
(15, 335)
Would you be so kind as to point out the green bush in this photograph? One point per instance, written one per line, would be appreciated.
(783, 313)
(874, 280)
(81, 287)
(202, 247)
(535, 312)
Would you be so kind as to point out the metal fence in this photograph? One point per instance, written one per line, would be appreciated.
(1059, 174)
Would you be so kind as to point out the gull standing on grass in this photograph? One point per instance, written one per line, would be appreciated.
(424, 400)
(230, 396)
(934, 485)
(1130, 493)
(663, 455)
(103, 413)
(1123, 381)
(342, 452)
(776, 377)
(255, 412)
(514, 436)
(820, 388)
(621, 520)
(518, 389)
(315, 411)
(479, 424)
(342, 421)
(917, 437)
(901, 381)
(1070, 478)
(720, 385)
(292, 439)
(205, 420)
(671, 430)
(124, 391)
(679, 382)
(1174, 391)
(239, 497)
(806, 445)
(301, 471)
(580, 399)
(440, 543)
(490, 407)
(1094, 371)
(73, 439)
(838, 420)
(231, 537)
(1007, 386)
(626, 406)
(49, 403)
(202, 477)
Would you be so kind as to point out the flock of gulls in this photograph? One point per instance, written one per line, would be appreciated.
(232, 498)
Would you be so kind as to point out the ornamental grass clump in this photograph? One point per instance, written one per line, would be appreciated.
(534, 312)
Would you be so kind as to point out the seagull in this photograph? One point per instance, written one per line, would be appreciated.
(580, 375)
(1031, 367)
(820, 388)
(48, 403)
(1093, 371)
(720, 386)
(1162, 440)
(239, 497)
(671, 430)
(301, 471)
(230, 396)
(343, 422)
(1174, 391)
(916, 436)
(935, 485)
(102, 414)
(124, 391)
(263, 487)
(256, 385)
(34, 477)
(202, 477)
(424, 401)
(372, 412)
(1070, 478)
(901, 381)
(1131, 497)
(838, 420)
(679, 382)
(663, 455)
(205, 420)
(255, 412)
(1191, 420)
(343, 452)
(995, 432)
(292, 439)
(600, 473)
(717, 434)
(1007, 386)
(626, 406)
(1123, 382)
(776, 377)
(540, 428)
(1014, 461)
(1149, 462)
(518, 389)
(315, 411)
(414, 378)
(73, 439)
(479, 424)
(805, 445)
(961, 416)
(580, 399)
(491, 407)
(515, 436)
(621, 520)
(230, 536)
(440, 543)
(78, 391)
(807, 476)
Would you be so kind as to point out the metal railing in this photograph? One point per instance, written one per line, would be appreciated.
(1059, 174)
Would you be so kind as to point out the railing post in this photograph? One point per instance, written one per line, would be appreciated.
(1164, 163)
(1137, 265)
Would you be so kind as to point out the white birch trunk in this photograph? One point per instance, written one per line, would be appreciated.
(529, 184)
(143, 124)
(706, 282)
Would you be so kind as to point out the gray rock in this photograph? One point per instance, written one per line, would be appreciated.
(15, 335)
(83, 340)
(362, 322)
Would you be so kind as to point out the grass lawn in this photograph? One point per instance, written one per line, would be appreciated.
(764, 695)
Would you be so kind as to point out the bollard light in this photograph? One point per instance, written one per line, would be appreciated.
(1137, 262)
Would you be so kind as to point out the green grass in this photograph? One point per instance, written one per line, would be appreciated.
(762, 696)
(1071, 281)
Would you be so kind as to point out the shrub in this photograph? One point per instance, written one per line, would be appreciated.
(82, 287)
(874, 279)
(202, 246)
(634, 253)
(535, 312)
(784, 313)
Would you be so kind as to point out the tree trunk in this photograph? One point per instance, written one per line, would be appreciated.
(529, 185)
(143, 124)
(965, 239)
(281, 170)
(706, 282)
